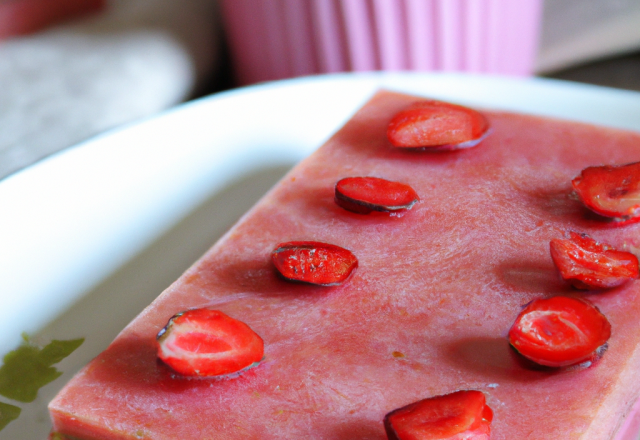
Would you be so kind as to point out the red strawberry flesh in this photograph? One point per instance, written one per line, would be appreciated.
(314, 262)
(590, 265)
(437, 125)
(559, 331)
(459, 415)
(611, 191)
(366, 194)
(208, 343)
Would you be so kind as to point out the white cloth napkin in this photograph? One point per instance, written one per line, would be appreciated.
(68, 83)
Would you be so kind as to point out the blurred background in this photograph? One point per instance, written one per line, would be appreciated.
(70, 69)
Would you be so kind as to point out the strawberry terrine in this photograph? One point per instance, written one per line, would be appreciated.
(393, 293)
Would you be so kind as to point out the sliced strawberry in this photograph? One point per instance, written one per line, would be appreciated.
(366, 194)
(437, 125)
(611, 191)
(463, 415)
(314, 262)
(204, 342)
(560, 331)
(590, 265)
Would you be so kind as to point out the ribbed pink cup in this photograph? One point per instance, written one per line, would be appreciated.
(275, 39)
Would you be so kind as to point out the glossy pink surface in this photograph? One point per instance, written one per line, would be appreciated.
(426, 313)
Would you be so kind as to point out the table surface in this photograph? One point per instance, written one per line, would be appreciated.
(620, 72)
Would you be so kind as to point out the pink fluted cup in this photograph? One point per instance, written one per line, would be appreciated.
(275, 39)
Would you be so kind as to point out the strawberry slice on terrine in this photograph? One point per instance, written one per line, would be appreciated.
(422, 306)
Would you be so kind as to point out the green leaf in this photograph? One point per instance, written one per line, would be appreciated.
(29, 367)
(7, 414)
(56, 350)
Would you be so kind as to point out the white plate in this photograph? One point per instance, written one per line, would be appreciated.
(91, 235)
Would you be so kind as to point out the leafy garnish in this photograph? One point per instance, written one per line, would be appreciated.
(8, 413)
(29, 367)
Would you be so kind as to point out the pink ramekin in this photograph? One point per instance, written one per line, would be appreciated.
(275, 39)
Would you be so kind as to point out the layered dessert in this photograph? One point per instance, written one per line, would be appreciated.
(420, 303)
